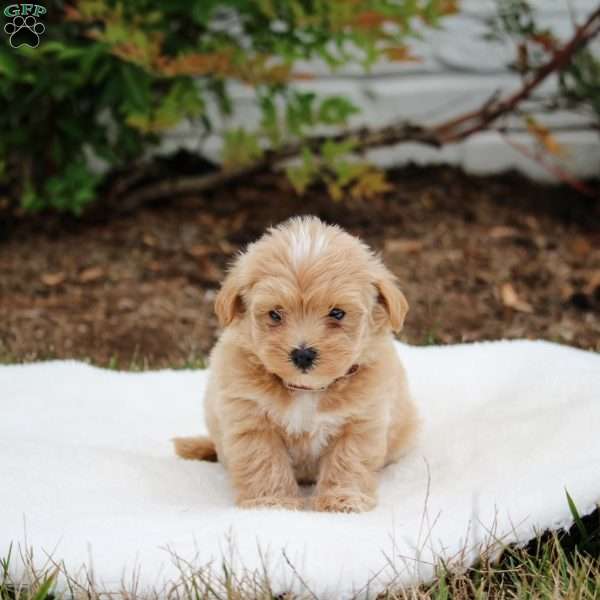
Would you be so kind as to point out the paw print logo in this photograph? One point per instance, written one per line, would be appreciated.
(24, 31)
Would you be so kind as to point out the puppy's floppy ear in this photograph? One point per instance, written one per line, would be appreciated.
(390, 298)
(229, 303)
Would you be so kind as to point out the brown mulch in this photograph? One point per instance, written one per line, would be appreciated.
(478, 258)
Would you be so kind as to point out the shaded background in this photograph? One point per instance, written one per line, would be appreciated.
(481, 252)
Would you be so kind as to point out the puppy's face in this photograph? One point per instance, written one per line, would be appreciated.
(309, 332)
(310, 296)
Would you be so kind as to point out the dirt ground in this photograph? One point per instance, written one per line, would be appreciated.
(478, 258)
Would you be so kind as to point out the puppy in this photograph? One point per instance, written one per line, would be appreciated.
(305, 384)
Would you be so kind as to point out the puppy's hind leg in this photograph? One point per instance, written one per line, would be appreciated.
(196, 448)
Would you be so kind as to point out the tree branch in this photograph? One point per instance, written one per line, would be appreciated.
(554, 169)
(451, 131)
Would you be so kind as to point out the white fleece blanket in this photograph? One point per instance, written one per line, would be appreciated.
(88, 475)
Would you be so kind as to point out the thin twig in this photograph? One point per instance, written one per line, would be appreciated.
(554, 169)
(300, 578)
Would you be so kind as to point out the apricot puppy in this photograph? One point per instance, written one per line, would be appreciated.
(305, 384)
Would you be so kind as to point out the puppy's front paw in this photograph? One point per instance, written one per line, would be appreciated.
(346, 503)
(288, 503)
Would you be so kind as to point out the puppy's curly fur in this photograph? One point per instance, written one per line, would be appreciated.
(305, 384)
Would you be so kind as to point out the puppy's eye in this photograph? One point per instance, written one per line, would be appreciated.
(337, 314)
(275, 316)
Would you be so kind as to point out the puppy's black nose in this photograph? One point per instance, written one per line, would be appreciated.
(303, 357)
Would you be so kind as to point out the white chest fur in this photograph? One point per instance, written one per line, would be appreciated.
(301, 415)
(304, 418)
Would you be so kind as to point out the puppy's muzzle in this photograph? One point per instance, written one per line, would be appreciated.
(303, 358)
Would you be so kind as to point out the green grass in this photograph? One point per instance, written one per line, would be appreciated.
(554, 565)
(137, 364)
(114, 363)
(430, 338)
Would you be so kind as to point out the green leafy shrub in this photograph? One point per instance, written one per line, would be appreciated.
(109, 77)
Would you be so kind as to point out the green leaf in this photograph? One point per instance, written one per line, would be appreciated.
(269, 120)
(302, 175)
(43, 591)
(241, 147)
(299, 112)
(62, 51)
(332, 150)
(73, 189)
(8, 63)
(577, 518)
(336, 111)
(136, 87)
(347, 171)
